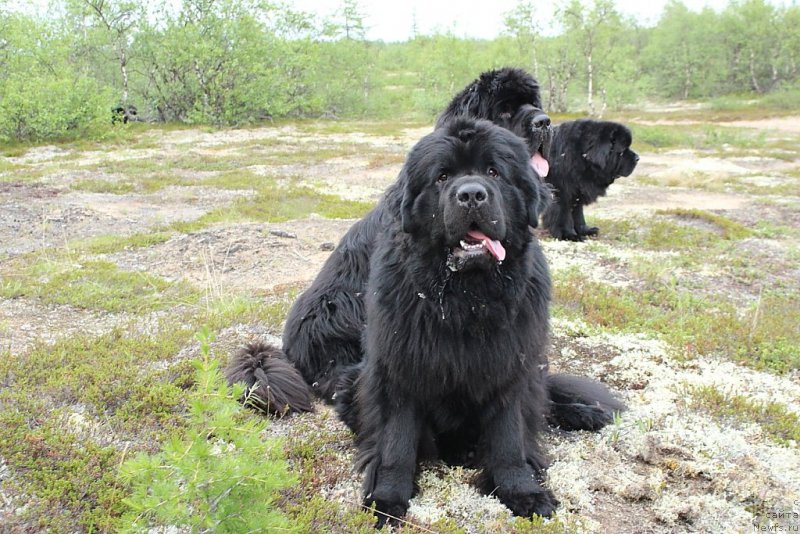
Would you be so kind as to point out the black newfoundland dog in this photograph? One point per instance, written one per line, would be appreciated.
(323, 330)
(585, 157)
(509, 98)
(430, 336)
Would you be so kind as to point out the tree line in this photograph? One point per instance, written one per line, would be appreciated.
(236, 62)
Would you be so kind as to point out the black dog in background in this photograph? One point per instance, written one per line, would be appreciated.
(509, 98)
(585, 156)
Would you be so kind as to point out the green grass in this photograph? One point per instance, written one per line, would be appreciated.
(66, 462)
(104, 186)
(12, 151)
(673, 229)
(96, 285)
(277, 205)
(786, 100)
(647, 137)
(763, 335)
(109, 244)
(727, 228)
(22, 173)
(697, 137)
(73, 411)
(6, 167)
(775, 419)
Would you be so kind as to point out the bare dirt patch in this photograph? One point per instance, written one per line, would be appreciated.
(780, 124)
(37, 217)
(249, 258)
(626, 200)
(24, 322)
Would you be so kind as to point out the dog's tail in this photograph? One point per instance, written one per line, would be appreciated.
(578, 403)
(273, 384)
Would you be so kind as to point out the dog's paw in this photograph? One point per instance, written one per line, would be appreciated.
(589, 230)
(572, 236)
(386, 512)
(525, 504)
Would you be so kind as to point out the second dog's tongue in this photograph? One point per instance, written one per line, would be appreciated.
(492, 245)
(540, 165)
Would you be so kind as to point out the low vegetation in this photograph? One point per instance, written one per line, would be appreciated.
(131, 427)
(241, 62)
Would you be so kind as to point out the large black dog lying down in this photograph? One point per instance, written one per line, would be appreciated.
(452, 360)
(585, 156)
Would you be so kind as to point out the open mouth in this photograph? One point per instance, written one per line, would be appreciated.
(540, 140)
(475, 246)
(539, 164)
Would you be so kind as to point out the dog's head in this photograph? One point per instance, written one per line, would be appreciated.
(470, 191)
(607, 149)
(510, 98)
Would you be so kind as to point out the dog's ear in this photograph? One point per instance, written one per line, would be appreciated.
(598, 151)
(407, 219)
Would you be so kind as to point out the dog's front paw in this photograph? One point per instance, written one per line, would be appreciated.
(386, 511)
(539, 501)
(589, 230)
(571, 236)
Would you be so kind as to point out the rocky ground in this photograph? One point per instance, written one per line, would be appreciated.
(669, 464)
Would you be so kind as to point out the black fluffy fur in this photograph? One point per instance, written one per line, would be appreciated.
(460, 399)
(324, 327)
(273, 384)
(510, 98)
(578, 403)
(585, 157)
(454, 361)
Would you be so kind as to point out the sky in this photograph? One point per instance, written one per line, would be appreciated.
(393, 20)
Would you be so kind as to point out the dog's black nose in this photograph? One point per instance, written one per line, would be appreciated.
(636, 158)
(471, 195)
(540, 120)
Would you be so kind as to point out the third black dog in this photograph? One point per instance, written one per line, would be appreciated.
(586, 156)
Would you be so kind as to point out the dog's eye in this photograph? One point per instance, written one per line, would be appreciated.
(442, 177)
(492, 172)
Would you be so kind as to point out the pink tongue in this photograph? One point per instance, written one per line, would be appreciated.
(540, 165)
(494, 246)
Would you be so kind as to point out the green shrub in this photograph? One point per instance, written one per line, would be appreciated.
(218, 475)
(786, 99)
(50, 108)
